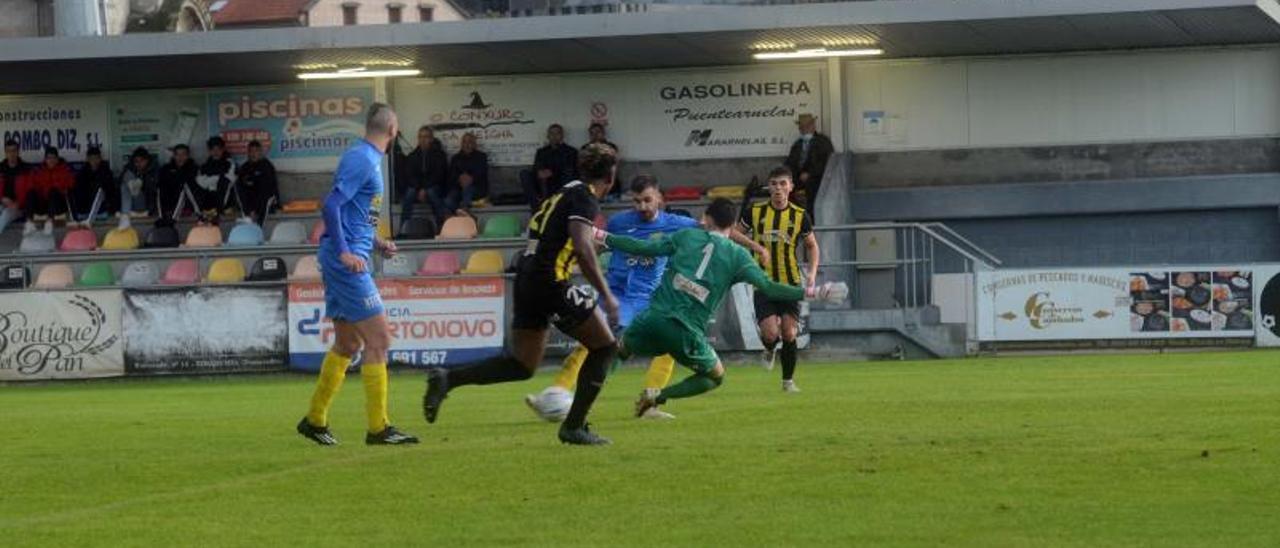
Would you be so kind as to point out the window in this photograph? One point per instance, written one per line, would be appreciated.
(426, 13)
(394, 13)
(349, 13)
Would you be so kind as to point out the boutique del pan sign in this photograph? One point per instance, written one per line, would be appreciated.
(1115, 303)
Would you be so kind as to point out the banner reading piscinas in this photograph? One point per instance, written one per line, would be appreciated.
(60, 335)
(300, 128)
(205, 330)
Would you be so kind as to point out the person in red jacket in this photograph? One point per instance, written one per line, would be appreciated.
(42, 192)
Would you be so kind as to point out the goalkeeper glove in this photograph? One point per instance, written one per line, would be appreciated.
(831, 292)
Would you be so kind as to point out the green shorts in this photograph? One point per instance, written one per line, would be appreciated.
(652, 335)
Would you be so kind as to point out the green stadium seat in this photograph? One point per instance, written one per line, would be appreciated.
(97, 275)
(502, 226)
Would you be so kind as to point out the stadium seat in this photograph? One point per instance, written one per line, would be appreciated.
(289, 233)
(55, 276)
(121, 239)
(181, 272)
(485, 261)
(97, 275)
(417, 228)
(440, 263)
(268, 269)
(227, 270)
(461, 227)
(683, 193)
(16, 276)
(245, 234)
(317, 230)
(80, 239)
(139, 274)
(204, 236)
(502, 226)
(162, 236)
(732, 192)
(301, 206)
(306, 269)
(399, 266)
(36, 242)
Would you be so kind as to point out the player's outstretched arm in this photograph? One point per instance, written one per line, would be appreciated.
(662, 247)
(752, 274)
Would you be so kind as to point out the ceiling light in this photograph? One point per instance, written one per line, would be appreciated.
(814, 53)
(357, 72)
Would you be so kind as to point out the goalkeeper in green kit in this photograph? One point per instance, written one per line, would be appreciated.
(703, 265)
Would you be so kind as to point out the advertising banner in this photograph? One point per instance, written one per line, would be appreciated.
(71, 123)
(1267, 304)
(1115, 303)
(60, 335)
(433, 321)
(301, 128)
(157, 122)
(205, 330)
(508, 116)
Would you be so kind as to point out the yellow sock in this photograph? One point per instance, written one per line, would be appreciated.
(659, 373)
(332, 372)
(374, 376)
(568, 375)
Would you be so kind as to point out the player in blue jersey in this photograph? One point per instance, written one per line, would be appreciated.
(632, 279)
(351, 299)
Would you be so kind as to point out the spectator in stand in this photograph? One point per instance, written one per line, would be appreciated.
(596, 134)
(554, 165)
(42, 192)
(11, 169)
(468, 176)
(426, 169)
(138, 186)
(215, 182)
(808, 158)
(257, 184)
(94, 179)
(177, 180)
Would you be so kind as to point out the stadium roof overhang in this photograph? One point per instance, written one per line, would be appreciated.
(682, 38)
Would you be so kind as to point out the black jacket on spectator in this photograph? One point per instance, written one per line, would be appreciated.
(10, 174)
(820, 150)
(475, 164)
(257, 184)
(172, 179)
(88, 182)
(426, 169)
(562, 160)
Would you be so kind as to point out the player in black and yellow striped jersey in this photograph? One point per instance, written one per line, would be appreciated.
(773, 229)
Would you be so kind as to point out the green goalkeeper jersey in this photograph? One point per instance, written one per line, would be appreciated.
(701, 269)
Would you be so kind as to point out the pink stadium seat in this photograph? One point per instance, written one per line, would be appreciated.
(55, 276)
(441, 263)
(317, 230)
(461, 227)
(181, 272)
(80, 239)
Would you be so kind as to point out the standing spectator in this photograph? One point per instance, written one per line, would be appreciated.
(257, 184)
(596, 134)
(554, 165)
(214, 184)
(94, 179)
(808, 158)
(468, 176)
(425, 169)
(42, 192)
(138, 185)
(11, 169)
(177, 179)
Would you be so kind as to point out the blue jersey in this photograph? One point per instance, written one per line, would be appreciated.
(632, 277)
(359, 179)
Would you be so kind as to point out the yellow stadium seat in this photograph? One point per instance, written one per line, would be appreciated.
(732, 192)
(121, 238)
(55, 276)
(461, 227)
(204, 236)
(227, 270)
(485, 261)
(306, 269)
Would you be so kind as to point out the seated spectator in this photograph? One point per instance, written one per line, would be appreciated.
(554, 165)
(11, 169)
(95, 184)
(596, 134)
(468, 177)
(177, 184)
(138, 185)
(42, 192)
(215, 182)
(425, 168)
(257, 184)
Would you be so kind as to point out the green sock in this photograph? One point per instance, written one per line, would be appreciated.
(689, 387)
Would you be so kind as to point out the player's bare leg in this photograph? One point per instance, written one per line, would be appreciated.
(788, 354)
(770, 331)
(602, 348)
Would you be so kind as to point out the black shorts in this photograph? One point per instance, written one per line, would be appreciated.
(541, 301)
(766, 307)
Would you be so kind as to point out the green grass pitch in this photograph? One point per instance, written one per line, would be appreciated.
(1132, 450)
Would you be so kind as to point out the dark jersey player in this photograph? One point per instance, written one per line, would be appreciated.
(560, 236)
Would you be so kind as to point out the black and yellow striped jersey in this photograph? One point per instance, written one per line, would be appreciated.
(779, 231)
(550, 252)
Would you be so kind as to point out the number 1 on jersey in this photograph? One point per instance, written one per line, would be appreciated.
(706, 260)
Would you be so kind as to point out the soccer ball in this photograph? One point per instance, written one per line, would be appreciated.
(552, 404)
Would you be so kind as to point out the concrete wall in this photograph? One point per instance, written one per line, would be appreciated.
(19, 18)
(328, 13)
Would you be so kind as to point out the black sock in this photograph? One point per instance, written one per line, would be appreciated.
(493, 370)
(590, 381)
(788, 356)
